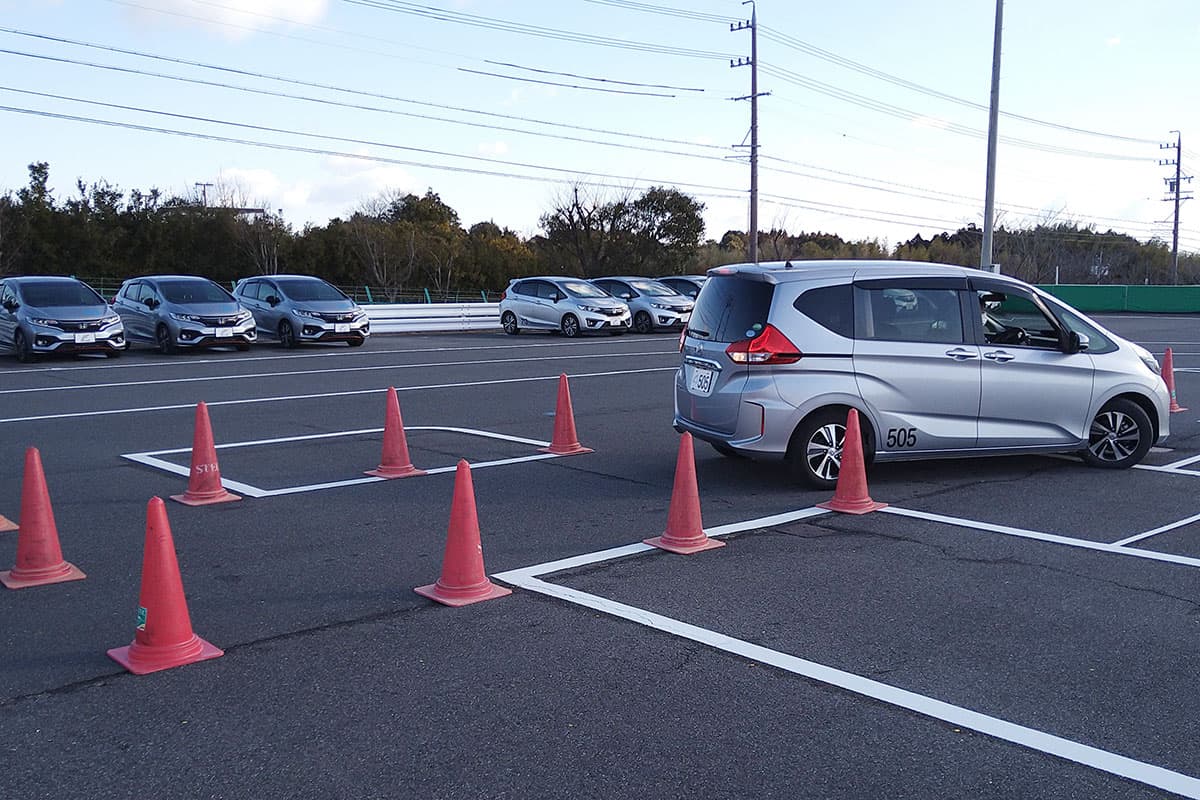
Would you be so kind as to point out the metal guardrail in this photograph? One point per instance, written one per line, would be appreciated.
(419, 317)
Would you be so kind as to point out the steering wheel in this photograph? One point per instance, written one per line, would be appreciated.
(1011, 335)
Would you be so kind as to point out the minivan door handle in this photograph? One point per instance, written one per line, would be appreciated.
(999, 355)
(962, 353)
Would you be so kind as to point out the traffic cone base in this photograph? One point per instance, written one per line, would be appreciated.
(850, 496)
(463, 580)
(7, 524)
(461, 597)
(683, 547)
(143, 660)
(566, 441)
(59, 573)
(395, 462)
(206, 499)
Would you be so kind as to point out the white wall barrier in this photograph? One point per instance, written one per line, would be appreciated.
(418, 317)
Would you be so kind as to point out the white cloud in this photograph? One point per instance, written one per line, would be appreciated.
(231, 19)
(1113, 41)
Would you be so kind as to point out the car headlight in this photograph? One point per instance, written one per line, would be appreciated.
(359, 313)
(185, 317)
(244, 316)
(663, 306)
(593, 309)
(50, 323)
(113, 320)
(304, 312)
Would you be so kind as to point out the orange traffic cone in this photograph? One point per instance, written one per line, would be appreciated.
(164, 636)
(463, 580)
(1168, 374)
(6, 524)
(204, 483)
(851, 496)
(395, 463)
(566, 441)
(39, 557)
(685, 533)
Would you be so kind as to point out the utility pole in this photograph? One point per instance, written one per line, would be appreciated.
(989, 202)
(752, 62)
(203, 193)
(1175, 190)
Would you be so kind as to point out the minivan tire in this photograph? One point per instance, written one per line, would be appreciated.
(818, 434)
(1120, 435)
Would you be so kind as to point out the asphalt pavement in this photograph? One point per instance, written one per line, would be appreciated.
(982, 638)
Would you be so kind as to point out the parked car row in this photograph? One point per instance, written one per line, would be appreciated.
(614, 305)
(40, 315)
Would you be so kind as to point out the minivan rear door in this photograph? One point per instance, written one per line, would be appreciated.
(708, 387)
(916, 363)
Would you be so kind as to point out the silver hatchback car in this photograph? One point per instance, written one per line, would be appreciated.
(940, 361)
(569, 305)
(177, 311)
(654, 305)
(302, 308)
(44, 314)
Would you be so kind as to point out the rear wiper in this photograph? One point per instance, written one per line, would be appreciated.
(700, 333)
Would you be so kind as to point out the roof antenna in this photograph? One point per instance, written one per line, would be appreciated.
(788, 265)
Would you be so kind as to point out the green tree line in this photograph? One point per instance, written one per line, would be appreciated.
(400, 243)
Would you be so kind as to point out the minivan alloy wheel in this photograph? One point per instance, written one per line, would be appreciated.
(1120, 435)
(823, 451)
(287, 335)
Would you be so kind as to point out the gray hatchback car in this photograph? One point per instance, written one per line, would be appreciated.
(178, 311)
(302, 308)
(44, 314)
(569, 305)
(940, 361)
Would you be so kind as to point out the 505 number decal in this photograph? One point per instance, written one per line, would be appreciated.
(902, 437)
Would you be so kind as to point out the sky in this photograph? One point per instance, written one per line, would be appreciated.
(872, 114)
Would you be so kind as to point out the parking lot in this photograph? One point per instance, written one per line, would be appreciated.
(1007, 627)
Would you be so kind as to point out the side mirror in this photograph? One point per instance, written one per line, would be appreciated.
(272, 300)
(11, 305)
(150, 302)
(1071, 342)
(626, 295)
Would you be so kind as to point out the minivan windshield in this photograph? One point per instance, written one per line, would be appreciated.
(309, 290)
(46, 294)
(583, 289)
(731, 308)
(193, 292)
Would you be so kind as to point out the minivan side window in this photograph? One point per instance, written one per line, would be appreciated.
(1011, 318)
(831, 307)
(897, 314)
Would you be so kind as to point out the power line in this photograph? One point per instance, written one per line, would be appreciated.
(589, 78)
(564, 85)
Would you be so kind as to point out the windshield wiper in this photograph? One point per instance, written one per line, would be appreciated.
(700, 333)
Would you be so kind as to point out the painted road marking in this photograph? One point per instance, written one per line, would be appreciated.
(302, 372)
(322, 395)
(1103, 760)
(151, 458)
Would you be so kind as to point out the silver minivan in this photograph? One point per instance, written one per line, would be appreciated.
(940, 361)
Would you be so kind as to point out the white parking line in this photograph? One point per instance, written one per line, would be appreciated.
(285, 374)
(1103, 760)
(1053, 538)
(150, 458)
(1182, 462)
(1156, 531)
(341, 354)
(324, 395)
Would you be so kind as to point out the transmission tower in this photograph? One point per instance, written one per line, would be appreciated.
(752, 62)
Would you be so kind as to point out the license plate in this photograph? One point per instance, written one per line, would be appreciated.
(224, 333)
(341, 327)
(85, 338)
(700, 381)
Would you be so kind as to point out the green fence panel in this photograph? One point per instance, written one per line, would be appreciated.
(1164, 299)
(1089, 297)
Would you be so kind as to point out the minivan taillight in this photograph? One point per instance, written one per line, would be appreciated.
(769, 347)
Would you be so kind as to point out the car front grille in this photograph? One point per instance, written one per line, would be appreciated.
(614, 312)
(213, 322)
(86, 325)
(347, 316)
